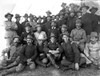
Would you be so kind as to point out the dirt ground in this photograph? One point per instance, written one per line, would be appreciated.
(51, 71)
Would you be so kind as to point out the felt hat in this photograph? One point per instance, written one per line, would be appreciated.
(48, 12)
(93, 8)
(87, 7)
(63, 26)
(25, 15)
(38, 25)
(52, 35)
(29, 37)
(63, 4)
(94, 34)
(6, 15)
(17, 16)
(30, 15)
(65, 35)
(27, 24)
(78, 21)
(16, 36)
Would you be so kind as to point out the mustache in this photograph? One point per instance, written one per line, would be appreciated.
(29, 42)
(16, 42)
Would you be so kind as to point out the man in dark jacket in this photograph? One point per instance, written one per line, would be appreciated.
(61, 21)
(20, 27)
(86, 20)
(42, 59)
(71, 55)
(47, 24)
(28, 55)
(71, 21)
(94, 18)
(53, 51)
(26, 20)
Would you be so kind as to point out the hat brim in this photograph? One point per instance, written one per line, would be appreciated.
(38, 26)
(93, 9)
(18, 17)
(53, 36)
(8, 14)
(25, 16)
(29, 38)
(87, 7)
(30, 16)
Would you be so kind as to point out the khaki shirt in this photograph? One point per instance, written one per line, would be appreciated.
(78, 35)
(10, 28)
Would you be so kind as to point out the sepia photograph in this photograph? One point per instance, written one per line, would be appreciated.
(49, 37)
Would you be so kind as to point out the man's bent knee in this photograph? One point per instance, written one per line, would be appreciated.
(20, 68)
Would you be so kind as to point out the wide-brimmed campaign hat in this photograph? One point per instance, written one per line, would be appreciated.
(48, 12)
(38, 25)
(29, 37)
(78, 21)
(64, 26)
(52, 35)
(93, 8)
(31, 15)
(6, 15)
(25, 15)
(85, 6)
(65, 35)
(17, 16)
(93, 34)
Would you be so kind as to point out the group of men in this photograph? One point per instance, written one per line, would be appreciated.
(68, 40)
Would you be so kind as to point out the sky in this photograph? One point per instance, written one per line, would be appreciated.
(36, 7)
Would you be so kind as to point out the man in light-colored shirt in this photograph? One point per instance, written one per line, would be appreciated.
(40, 34)
(78, 35)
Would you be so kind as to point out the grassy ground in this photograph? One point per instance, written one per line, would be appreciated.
(51, 71)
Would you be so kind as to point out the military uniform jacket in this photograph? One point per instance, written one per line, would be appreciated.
(71, 52)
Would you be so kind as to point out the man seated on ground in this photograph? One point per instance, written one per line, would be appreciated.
(78, 35)
(92, 50)
(53, 51)
(28, 55)
(10, 54)
(42, 59)
(71, 55)
(10, 64)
